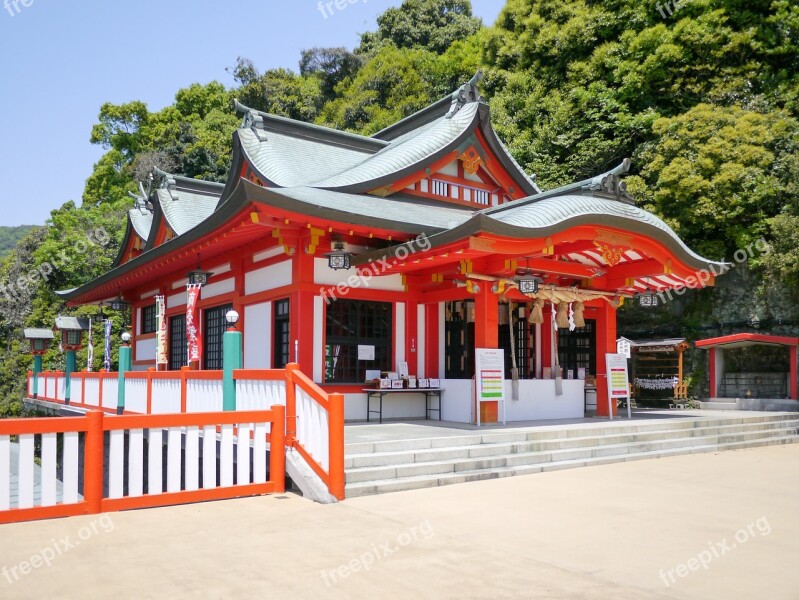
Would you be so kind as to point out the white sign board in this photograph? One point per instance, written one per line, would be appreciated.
(618, 381)
(366, 352)
(490, 377)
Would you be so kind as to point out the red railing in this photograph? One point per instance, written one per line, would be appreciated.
(314, 419)
(314, 425)
(183, 463)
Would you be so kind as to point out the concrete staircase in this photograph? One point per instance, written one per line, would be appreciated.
(396, 465)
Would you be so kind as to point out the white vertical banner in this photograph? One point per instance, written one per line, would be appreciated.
(160, 331)
(90, 350)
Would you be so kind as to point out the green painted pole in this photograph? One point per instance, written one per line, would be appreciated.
(231, 359)
(125, 365)
(37, 368)
(71, 362)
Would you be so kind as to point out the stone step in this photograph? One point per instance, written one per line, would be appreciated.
(551, 432)
(486, 450)
(423, 481)
(467, 462)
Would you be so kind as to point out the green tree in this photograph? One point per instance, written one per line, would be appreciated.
(430, 24)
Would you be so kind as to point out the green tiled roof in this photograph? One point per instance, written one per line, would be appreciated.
(142, 222)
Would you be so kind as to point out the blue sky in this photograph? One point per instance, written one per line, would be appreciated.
(62, 60)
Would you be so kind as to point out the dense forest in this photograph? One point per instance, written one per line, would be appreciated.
(705, 100)
(10, 237)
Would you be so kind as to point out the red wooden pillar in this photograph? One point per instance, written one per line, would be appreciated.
(301, 326)
(605, 343)
(301, 315)
(711, 369)
(431, 326)
(486, 317)
(486, 335)
(793, 371)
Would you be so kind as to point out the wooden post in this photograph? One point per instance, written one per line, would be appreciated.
(93, 462)
(336, 444)
(291, 405)
(277, 449)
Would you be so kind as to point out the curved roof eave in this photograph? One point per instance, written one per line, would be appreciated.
(217, 219)
(125, 241)
(482, 223)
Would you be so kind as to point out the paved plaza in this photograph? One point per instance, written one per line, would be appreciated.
(720, 525)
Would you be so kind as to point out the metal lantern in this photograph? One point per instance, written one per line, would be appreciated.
(198, 276)
(119, 304)
(338, 258)
(528, 285)
(648, 299)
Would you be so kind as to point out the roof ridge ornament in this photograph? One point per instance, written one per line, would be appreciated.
(168, 182)
(466, 94)
(251, 120)
(142, 199)
(610, 184)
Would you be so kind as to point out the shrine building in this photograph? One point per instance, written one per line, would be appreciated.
(351, 255)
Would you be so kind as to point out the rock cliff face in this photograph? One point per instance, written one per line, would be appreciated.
(742, 301)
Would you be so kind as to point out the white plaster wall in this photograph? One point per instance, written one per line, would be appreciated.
(276, 251)
(217, 289)
(145, 349)
(399, 331)
(451, 169)
(537, 401)
(324, 275)
(258, 336)
(176, 300)
(268, 278)
(395, 406)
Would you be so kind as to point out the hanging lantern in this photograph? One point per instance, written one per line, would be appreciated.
(119, 303)
(338, 258)
(528, 285)
(198, 276)
(648, 299)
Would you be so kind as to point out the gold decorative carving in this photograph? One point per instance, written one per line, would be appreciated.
(471, 161)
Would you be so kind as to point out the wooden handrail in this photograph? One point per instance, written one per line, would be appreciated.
(95, 424)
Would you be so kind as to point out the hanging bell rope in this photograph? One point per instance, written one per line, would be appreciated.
(579, 314)
(562, 318)
(537, 313)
